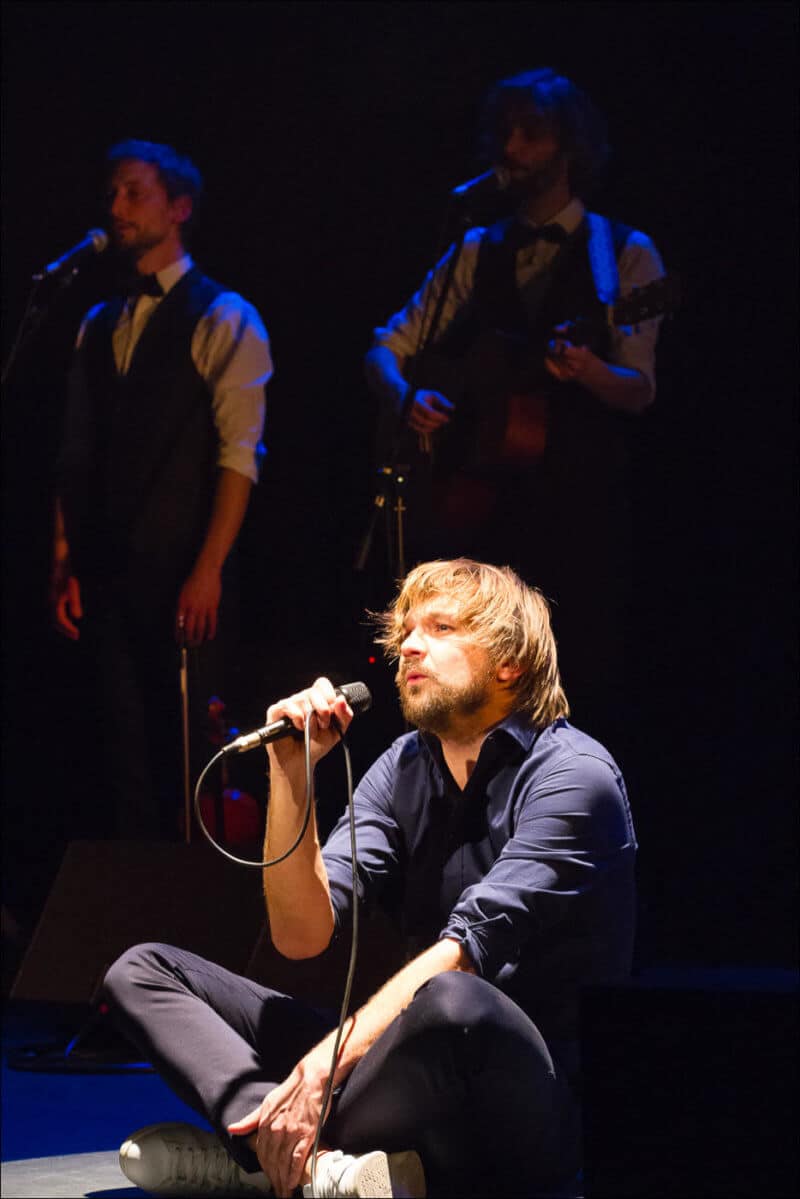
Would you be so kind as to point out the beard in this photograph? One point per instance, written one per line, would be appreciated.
(132, 243)
(536, 182)
(433, 706)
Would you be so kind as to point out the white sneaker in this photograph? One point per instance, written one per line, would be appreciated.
(375, 1175)
(179, 1159)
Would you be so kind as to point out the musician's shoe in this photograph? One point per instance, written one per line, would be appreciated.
(375, 1175)
(179, 1159)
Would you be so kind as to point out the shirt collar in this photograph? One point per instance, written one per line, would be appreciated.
(517, 726)
(569, 218)
(172, 274)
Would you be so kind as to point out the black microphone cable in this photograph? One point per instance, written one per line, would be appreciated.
(351, 969)
(309, 793)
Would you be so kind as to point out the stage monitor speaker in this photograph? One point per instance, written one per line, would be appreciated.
(690, 1086)
(109, 895)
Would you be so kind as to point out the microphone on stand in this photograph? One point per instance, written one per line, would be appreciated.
(34, 315)
(357, 695)
(94, 242)
(483, 186)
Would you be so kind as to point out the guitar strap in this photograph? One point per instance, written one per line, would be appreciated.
(603, 261)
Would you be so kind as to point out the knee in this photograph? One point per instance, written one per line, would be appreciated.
(134, 969)
(455, 999)
(479, 1020)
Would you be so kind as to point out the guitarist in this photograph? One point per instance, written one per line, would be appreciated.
(547, 493)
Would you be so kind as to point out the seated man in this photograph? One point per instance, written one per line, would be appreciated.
(502, 837)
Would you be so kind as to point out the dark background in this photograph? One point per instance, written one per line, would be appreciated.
(329, 135)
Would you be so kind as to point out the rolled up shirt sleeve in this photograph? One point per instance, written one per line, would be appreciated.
(404, 332)
(231, 351)
(634, 346)
(573, 829)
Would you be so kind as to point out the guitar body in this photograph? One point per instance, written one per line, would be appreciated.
(525, 428)
(503, 403)
(500, 424)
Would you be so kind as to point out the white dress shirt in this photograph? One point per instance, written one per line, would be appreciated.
(230, 350)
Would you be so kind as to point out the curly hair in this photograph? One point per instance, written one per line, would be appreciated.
(543, 100)
(178, 174)
(506, 616)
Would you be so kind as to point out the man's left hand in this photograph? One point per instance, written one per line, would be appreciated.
(198, 603)
(285, 1124)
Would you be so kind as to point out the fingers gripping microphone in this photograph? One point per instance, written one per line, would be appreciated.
(357, 695)
(94, 242)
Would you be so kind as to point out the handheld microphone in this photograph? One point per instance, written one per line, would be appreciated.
(357, 695)
(94, 242)
(483, 186)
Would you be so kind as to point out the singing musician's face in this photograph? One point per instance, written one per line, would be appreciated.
(443, 674)
(142, 214)
(531, 152)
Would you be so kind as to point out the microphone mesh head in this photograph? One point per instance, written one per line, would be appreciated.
(503, 177)
(358, 696)
(99, 239)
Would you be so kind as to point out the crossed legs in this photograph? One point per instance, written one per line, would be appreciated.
(462, 1075)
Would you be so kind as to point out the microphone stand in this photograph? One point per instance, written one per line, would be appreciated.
(97, 1047)
(183, 683)
(392, 471)
(34, 316)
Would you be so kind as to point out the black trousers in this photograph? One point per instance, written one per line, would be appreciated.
(462, 1075)
(133, 663)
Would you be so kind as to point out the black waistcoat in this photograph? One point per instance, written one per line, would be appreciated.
(142, 466)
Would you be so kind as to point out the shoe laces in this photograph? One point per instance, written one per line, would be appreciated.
(330, 1173)
(209, 1165)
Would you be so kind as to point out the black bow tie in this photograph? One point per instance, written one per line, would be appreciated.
(143, 285)
(521, 234)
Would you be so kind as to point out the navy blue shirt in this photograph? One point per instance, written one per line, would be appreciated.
(530, 867)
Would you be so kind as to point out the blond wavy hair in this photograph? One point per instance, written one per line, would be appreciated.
(508, 618)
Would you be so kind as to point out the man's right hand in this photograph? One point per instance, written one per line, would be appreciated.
(65, 602)
(282, 1128)
(429, 411)
(331, 716)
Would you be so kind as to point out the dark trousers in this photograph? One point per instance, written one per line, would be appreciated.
(134, 665)
(462, 1075)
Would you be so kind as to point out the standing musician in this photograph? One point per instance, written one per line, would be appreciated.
(500, 837)
(527, 430)
(158, 459)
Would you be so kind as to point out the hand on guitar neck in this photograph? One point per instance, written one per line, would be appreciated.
(564, 360)
(617, 387)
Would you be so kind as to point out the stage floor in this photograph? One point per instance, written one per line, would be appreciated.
(73, 1176)
(61, 1131)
